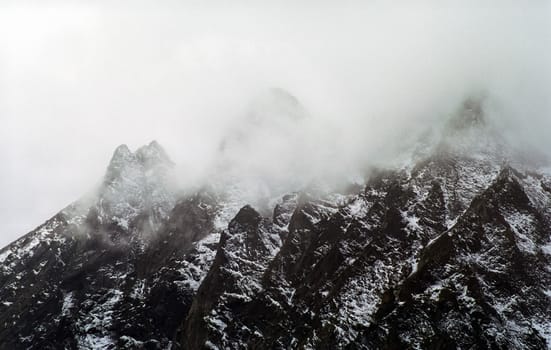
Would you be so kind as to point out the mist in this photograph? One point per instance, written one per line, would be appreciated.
(79, 78)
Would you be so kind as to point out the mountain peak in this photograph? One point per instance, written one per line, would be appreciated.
(247, 214)
(275, 104)
(467, 133)
(121, 161)
(136, 181)
(122, 154)
(471, 134)
(146, 266)
(122, 150)
(147, 157)
(471, 114)
(153, 154)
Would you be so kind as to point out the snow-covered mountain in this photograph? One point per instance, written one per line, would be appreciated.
(449, 250)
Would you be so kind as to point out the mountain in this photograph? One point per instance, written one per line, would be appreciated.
(449, 250)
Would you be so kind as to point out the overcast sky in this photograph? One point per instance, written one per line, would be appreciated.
(79, 78)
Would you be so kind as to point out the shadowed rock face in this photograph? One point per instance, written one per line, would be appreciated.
(388, 269)
(452, 251)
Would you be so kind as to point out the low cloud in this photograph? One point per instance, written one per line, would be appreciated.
(79, 78)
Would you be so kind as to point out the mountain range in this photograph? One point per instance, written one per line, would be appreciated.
(450, 249)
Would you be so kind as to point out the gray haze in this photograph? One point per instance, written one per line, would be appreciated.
(79, 78)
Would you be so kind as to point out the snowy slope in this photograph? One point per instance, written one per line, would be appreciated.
(451, 249)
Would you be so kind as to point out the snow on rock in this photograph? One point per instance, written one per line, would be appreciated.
(96, 320)
(453, 249)
(136, 183)
(198, 262)
(522, 225)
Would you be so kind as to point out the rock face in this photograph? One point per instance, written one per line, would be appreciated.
(450, 251)
(118, 270)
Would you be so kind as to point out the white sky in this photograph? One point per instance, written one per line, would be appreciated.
(79, 78)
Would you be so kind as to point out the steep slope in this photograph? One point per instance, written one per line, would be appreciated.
(381, 271)
(451, 249)
(118, 269)
(483, 283)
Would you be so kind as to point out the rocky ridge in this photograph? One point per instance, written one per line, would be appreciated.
(450, 250)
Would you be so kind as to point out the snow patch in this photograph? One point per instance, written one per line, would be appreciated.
(522, 225)
(67, 304)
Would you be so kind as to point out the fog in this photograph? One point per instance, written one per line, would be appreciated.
(79, 78)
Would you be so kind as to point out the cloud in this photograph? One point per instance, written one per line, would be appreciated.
(79, 78)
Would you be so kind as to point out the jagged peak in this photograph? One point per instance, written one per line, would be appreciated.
(122, 153)
(469, 133)
(122, 150)
(134, 183)
(122, 158)
(471, 114)
(153, 153)
(247, 215)
(273, 110)
(130, 164)
(508, 173)
(275, 103)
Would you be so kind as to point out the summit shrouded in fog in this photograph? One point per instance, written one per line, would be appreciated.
(360, 82)
(447, 248)
(275, 176)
